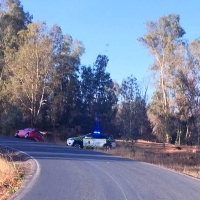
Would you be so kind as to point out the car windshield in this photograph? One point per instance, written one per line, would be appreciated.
(87, 135)
(38, 132)
(29, 129)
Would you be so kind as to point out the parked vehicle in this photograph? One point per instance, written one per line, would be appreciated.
(92, 140)
(30, 133)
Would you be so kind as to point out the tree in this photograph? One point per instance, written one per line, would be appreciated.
(161, 122)
(30, 68)
(104, 91)
(185, 91)
(132, 110)
(162, 39)
(98, 95)
(12, 19)
(65, 96)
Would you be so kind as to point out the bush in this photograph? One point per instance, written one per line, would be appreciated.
(11, 120)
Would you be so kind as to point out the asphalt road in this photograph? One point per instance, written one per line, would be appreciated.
(63, 172)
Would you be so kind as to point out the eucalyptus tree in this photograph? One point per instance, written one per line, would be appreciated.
(194, 80)
(132, 109)
(162, 39)
(163, 124)
(104, 92)
(30, 69)
(65, 96)
(185, 91)
(86, 115)
(98, 94)
(13, 18)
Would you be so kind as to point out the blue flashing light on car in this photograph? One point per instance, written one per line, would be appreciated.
(97, 132)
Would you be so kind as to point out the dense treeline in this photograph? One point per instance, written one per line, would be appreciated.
(44, 84)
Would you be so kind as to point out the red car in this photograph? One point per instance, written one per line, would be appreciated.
(30, 133)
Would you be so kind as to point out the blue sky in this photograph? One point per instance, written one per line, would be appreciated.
(111, 27)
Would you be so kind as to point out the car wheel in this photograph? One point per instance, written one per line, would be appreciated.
(26, 136)
(106, 147)
(16, 135)
(77, 145)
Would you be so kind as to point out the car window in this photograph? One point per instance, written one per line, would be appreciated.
(28, 129)
(97, 136)
(103, 136)
(38, 132)
(89, 135)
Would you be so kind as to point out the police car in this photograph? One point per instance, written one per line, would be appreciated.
(92, 140)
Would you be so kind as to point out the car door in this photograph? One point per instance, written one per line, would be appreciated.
(88, 141)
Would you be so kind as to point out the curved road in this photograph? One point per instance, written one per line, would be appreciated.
(69, 173)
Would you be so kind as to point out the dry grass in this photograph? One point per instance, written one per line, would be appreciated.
(11, 175)
(184, 159)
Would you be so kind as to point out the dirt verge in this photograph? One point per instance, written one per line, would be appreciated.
(23, 165)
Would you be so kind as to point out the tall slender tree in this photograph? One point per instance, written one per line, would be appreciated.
(185, 91)
(162, 39)
(13, 18)
(65, 96)
(98, 94)
(132, 110)
(30, 68)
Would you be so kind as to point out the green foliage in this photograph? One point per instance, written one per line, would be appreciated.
(132, 110)
(31, 66)
(64, 100)
(163, 39)
(13, 19)
(162, 35)
(11, 120)
(98, 94)
(42, 82)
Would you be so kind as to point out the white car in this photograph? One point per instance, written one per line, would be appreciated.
(92, 140)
